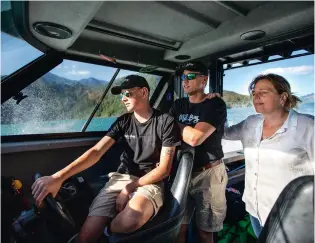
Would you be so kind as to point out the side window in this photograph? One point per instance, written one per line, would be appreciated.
(298, 71)
(62, 100)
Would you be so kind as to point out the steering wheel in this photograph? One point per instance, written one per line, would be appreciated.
(60, 212)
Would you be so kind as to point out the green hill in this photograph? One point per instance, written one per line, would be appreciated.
(233, 99)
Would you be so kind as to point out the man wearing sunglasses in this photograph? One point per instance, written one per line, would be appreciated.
(202, 122)
(134, 194)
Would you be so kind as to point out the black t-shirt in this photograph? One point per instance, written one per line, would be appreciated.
(212, 111)
(143, 141)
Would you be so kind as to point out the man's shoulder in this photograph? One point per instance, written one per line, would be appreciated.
(216, 101)
(124, 117)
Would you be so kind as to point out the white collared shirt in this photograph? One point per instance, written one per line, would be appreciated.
(272, 163)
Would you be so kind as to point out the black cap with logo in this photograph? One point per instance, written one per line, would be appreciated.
(194, 67)
(129, 82)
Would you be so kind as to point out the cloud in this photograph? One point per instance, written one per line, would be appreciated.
(305, 69)
(78, 73)
(244, 88)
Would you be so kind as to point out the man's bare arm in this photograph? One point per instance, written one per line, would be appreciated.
(195, 136)
(51, 184)
(157, 174)
(87, 159)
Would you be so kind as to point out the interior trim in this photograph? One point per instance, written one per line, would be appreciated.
(129, 37)
(264, 60)
(27, 146)
(236, 177)
(126, 65)
(50, 136)
(234, 156)
(17, 147)
(309, 30)
(20, 13)
(161, 95)
(132, 33)
(158, 90)
(230, 6)
(191, 13)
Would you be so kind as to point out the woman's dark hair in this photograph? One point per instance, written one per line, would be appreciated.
(281, 85)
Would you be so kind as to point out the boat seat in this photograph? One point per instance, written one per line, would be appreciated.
(292, 216)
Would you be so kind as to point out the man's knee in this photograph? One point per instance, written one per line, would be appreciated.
(129, 221)
(128, 226)
(86, 237)
(181, 238)
(184, 228)
(92, 229)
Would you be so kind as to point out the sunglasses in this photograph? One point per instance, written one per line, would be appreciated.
(190, 76)
(126, 93)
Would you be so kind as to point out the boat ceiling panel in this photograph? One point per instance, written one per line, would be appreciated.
(163, 30)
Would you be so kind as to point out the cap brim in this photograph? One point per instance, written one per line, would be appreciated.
(116, 90)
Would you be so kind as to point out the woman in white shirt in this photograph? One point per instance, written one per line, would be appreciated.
(278, 145)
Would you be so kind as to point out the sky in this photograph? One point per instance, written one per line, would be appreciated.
(16, 53)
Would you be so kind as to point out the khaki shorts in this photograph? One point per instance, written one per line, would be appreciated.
(104, 204)
(207, 197)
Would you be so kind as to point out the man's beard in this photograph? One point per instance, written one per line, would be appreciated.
(193, 92)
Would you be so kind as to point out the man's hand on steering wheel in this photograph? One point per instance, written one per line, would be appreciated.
(45, 185)
(46, 188)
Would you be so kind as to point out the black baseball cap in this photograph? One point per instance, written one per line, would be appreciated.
(129, 82)
(194, 67)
